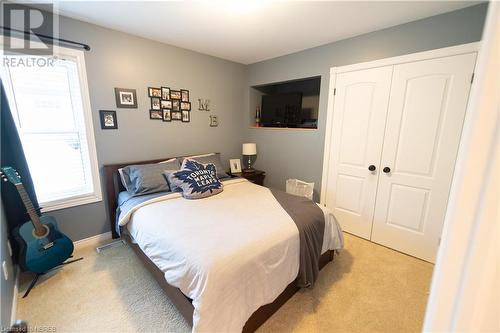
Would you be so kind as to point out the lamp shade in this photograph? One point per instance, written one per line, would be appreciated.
(249, 149)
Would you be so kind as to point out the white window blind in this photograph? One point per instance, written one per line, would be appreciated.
(54, 123)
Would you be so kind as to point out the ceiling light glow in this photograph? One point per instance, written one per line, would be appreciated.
(243, 6)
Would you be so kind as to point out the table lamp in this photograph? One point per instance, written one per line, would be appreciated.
(249, 150)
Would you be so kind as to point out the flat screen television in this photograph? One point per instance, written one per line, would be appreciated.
(282, 110)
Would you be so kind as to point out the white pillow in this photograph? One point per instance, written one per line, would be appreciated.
(204, 155)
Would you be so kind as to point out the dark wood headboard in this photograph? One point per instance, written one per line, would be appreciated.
(114, 186)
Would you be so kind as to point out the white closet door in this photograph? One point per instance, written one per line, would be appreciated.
(424, 124)
(358, 130)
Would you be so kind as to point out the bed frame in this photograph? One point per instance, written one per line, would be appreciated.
(181, 301)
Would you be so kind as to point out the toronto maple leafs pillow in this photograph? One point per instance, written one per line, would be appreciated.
(196, 180)
(213, 158)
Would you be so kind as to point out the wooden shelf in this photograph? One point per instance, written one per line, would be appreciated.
(284, 128)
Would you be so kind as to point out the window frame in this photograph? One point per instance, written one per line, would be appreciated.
(79, 57)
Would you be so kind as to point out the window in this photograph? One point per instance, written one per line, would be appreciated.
(50, 106)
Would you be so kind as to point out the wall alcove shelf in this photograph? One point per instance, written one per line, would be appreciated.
(289, 105)
(283, 128)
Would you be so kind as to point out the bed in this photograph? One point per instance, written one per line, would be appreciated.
(219, 259)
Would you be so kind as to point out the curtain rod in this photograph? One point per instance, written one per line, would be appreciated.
(49, 38)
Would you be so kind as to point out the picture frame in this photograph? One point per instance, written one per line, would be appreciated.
(155, 103)
(176, 115)
(166, 104)
(154, 92)
(108, 119)
(167, 115)
(175, 94)
(155, 114)
(186, 116)
(176, 105)
(185, 106)
(126, 98)
(184, 95)
(165, 93)
(235, 164)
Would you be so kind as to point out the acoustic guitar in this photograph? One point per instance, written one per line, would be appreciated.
(42, 245)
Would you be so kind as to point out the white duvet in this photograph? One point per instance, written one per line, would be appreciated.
(230, 253)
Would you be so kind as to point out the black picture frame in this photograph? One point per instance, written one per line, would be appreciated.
(176, 105)
(167, 115)
(120, 93)
(155, 114)
(165, 93)
(108, 119)
(155, 106)
(154, 92)
(184, 95)
(166, 104)
(185, 106)
(175, 94)
(186, 116)
(176, 115)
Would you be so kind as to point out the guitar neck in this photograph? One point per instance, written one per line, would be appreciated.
(35, 219)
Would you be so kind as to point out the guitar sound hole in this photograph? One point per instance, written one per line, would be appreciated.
(47, 230)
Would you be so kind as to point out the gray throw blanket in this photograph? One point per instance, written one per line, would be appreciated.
(310, 221)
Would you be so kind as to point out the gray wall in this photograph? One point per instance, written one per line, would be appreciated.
(121, 60)
(287, 154)
(6, 286)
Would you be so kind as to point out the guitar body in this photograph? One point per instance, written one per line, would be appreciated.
(42, 245)
(40, 254)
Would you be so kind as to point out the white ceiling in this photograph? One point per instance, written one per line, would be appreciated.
(249, 31)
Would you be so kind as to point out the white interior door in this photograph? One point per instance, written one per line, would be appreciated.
(358, 129)
(424, 124)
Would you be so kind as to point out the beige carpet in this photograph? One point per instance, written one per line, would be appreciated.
(368, 288)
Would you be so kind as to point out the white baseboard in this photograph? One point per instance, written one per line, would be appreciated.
(93, 241)
(13, 311)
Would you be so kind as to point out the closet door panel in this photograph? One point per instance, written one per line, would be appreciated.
(358, 128)
(424, 124)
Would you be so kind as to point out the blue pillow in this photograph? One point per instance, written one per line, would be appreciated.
(147, 178)
(196, 180)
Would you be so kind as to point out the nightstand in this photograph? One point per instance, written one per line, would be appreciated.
(256, 177)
